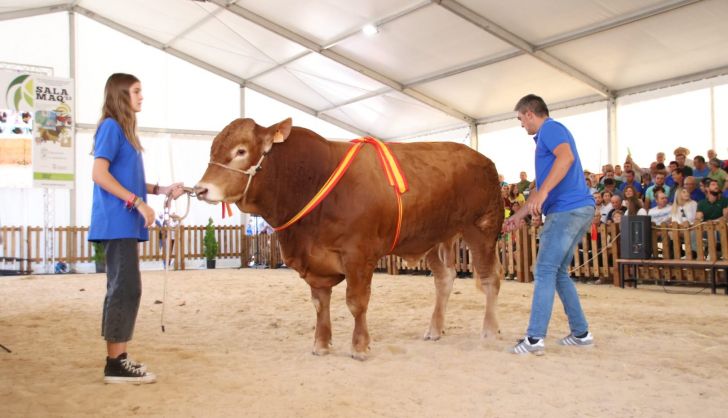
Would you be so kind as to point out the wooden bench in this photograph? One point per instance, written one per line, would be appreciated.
(17, 266)
(711, 267)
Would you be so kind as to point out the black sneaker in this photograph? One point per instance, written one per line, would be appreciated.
(123, 370)
(134, 364)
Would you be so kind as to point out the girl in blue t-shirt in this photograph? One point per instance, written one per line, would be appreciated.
(120, 217)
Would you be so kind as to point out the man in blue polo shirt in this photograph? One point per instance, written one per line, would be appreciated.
(562, 195)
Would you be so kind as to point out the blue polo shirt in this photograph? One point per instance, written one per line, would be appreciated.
(109, 218)
(571, 193)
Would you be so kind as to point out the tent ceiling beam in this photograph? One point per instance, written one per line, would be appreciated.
(347, 62)
(514, 40)
(213, 69)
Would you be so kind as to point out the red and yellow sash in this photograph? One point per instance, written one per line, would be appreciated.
(391, 167)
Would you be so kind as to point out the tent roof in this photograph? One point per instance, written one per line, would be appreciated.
(433, 65)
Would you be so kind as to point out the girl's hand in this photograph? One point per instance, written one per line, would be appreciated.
(147, 213)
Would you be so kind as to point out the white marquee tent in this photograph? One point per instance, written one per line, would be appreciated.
(617, 71)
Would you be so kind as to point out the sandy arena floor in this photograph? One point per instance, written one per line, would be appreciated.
(237, 343)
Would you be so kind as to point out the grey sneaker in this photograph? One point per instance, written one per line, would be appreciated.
(525, 347)
(572, 339)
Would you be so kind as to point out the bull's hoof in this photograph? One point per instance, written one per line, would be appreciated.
(322, 350)
(361, 356)
(490, 334)
(432, 335)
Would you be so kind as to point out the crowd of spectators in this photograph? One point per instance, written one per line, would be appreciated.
(683, 190)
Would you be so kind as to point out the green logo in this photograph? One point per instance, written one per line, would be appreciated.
(20, 90)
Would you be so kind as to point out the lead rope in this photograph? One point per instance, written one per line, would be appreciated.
(167, 240)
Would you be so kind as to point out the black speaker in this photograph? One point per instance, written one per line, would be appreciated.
(636, 237)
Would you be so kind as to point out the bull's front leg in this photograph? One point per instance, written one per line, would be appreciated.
(321, 298)
(358, 291)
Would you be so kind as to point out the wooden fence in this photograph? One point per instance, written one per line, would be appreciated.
(594, 258)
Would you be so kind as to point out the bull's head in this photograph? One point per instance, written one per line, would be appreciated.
(236, 155)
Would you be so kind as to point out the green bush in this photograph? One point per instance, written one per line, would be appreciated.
(210, 247)
(98, 256)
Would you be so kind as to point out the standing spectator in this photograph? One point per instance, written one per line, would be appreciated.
(561, 195)
(681, 156)
(524, 184)
(629, 165)
(717, 173)
(502, 180)
(668, 177)
(646, 181)
(610, 185)
(662, 212)
(506, 201)
(714, 205)
(684, 208)
(701, 168)
(618, 173)
(660, 158)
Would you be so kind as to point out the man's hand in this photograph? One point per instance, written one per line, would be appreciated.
(535, 201)
(147, 213)
(174, 189)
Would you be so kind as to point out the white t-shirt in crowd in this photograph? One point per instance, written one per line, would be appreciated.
(660, 215)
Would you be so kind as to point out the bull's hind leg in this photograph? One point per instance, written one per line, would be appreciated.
(441, 261)
(488, 271)
(321, 298)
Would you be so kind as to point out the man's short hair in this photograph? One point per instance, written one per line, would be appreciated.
(716, 162)
(533, 103)
(699, 158)
(608, 182)
(660, 166)
(679, 170)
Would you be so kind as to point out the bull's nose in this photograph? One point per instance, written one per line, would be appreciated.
(200, 192)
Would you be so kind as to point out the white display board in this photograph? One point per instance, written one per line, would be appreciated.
(37, 141)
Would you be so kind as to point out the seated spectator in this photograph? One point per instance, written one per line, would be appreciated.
(701, 169)
(609, 175)
(590, 185)
(717, 173)
(633, 202)
(506, 201)
(668, 176)
(678, 178)
(684, 208)
(630, 181)
(650, 192)
(692, 186)
(714, 205)
(681, 157)
(514, 195)
(610, 185)
(616, 206)
(502, 180)
(617, 217)
(661, 213)
(660, 158)
(606, 205)
(646, 181)
(597, 200)
(629, 165)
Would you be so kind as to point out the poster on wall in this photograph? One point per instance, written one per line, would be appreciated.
(36, 131)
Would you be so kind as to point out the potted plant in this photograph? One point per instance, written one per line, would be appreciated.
(210, 244)
(99, 257)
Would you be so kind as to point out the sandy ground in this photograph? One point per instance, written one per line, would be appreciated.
(237, 343)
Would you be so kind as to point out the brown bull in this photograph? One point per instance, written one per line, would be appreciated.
(454, 191)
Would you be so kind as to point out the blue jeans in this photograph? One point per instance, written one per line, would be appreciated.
(560, 234)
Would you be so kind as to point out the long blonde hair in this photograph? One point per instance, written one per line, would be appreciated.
(117, 105)
(679, 202)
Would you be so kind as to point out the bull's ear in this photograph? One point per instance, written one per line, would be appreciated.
(282, 130)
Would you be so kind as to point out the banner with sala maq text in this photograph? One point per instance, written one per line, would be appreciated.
(37, 141)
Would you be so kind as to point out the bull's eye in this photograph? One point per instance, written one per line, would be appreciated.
(241, 152)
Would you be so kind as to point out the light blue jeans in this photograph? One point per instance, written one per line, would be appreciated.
(560, 234)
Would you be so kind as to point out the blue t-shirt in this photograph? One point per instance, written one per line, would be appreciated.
(571, 192)
(109, 218)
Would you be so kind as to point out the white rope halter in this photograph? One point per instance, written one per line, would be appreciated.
(250, 172)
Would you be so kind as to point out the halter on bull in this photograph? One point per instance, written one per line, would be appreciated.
(454, 191)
